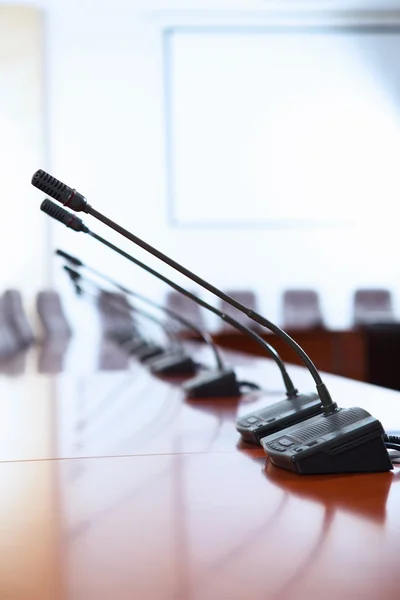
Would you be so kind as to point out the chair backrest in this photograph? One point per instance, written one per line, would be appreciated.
(17, 318)
(301, 309)
(373, 306)
(247, 298)
(112, 357)
(9, 344)
(185, 307)
(116, 318)
(51, 315)
(51, 355)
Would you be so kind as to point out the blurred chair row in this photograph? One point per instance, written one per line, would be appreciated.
(301, 308)
(117, 326)
(17, 333)
(116, 318)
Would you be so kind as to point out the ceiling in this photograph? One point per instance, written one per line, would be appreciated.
(248, 6)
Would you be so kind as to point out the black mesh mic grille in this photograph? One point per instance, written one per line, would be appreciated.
(71, 259)
(62, 215)
(51, 186)
(59, 191)
(74, 275)
(56, 212)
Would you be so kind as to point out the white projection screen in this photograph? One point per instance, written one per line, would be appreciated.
(280, 127)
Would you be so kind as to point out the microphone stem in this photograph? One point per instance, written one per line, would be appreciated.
(203, 334)
(129, 310)
(75, 201)
(290, 388)
(208, 286)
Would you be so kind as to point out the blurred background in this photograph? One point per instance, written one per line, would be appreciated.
(255, 142)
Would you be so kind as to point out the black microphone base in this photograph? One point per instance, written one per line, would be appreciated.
(124, 337)
(213, 384)
(134, 346)
(151, 351)
(347, 441)
(275, 417)
(178, 365)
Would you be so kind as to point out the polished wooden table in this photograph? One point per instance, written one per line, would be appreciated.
(113, 486)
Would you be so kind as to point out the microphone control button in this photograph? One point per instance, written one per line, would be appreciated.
(276, 446)
(286, 442)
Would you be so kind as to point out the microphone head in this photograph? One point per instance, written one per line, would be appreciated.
(51, 186)
(59, 191)
(71, 259)
(62, 215)
(78, 289)
(74, 275)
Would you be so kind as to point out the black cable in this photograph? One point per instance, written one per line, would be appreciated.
(392, 446)
(394, 439)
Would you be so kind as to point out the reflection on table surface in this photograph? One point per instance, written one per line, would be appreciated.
(84, 411)
(195, 526)
(157, 498)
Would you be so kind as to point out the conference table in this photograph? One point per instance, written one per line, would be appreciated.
(114, 486)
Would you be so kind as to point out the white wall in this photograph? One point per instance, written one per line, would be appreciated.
(280, 126)
(107, 139)
(23, 234)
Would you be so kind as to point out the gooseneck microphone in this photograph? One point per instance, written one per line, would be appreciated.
(72, 199)
(309, 403)
(291, 391)
(295, 408)
(341, 440)
(204, 335)
(137, 344)
(150, 351)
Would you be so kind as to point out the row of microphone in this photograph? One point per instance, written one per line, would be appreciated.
(304, 433)
(220, 382)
